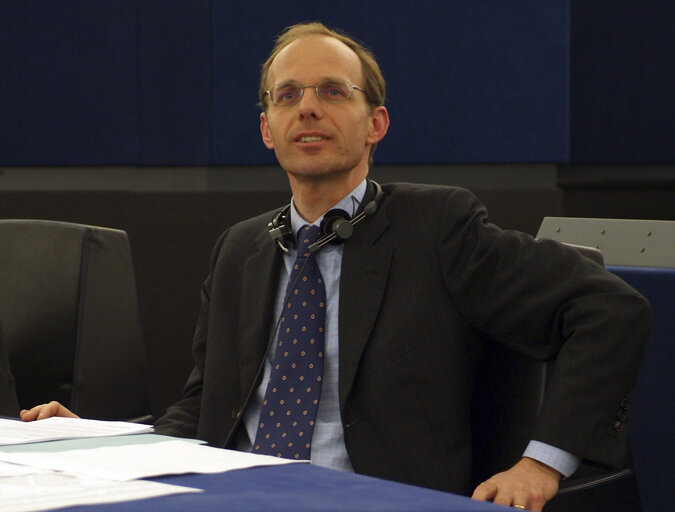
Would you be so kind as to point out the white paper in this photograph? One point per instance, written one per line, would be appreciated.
(8, 469)
(46, 490)
(19, 432)
(134, 461)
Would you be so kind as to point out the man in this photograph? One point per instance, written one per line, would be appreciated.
(411, 294)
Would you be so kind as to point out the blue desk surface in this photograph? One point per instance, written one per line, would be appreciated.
(302, 487)
(296, 488)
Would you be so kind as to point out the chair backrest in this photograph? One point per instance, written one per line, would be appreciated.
(69, 309)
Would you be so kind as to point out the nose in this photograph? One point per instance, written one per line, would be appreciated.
(310, 105)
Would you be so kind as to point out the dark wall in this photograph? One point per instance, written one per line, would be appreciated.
(622, 106)
(636, 201)
(618, 191)
(171, 236)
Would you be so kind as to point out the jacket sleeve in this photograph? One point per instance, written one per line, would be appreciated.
(547, 301)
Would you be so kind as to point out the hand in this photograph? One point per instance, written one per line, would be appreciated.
(529, 484)
(41, 412)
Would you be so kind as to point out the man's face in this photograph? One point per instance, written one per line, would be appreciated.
(314, 139)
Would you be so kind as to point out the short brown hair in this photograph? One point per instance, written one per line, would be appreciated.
(374, 83)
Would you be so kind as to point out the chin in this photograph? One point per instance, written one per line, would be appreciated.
(308, 169)
(308, 166)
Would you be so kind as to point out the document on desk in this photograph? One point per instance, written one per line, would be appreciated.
(133, 461)
(51, 429)
(44, 490)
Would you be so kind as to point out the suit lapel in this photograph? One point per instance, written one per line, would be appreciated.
(258, 290)
(365, 266)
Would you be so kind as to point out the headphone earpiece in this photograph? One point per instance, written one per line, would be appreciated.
(339, 222)
(280, 229)
(336, 226)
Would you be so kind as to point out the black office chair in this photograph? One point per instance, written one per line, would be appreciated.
(508, 395)
(8, 404)
(69, 309)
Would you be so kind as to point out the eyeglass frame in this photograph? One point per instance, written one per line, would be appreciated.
(302, 88)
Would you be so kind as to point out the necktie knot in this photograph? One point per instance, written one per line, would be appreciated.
(307, 235)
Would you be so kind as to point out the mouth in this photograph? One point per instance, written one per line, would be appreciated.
(313, 138)
(310, 137)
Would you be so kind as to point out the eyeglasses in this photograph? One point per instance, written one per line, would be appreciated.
(286, 94)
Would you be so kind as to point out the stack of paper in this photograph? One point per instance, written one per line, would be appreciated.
(106, 467)
(50, 429)
(26, 489)
(134, 461)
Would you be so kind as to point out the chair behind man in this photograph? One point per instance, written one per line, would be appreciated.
(69, 310)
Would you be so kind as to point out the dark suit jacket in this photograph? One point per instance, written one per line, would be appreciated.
(424, 281)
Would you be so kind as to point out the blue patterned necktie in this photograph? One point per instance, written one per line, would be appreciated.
(288, 411)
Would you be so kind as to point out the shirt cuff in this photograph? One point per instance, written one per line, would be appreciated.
(564, 462)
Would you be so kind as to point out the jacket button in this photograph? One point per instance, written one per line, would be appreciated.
(624, 404)
(236, 412)
(621, 416)
(618, 426)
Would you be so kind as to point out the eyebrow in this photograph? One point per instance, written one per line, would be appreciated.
(321, 80)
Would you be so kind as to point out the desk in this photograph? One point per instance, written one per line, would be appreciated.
(292, 488)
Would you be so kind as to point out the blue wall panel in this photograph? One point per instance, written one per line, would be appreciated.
(105, 83)
(467, 81)
(69, 86)
(169, 82)
(174, 82)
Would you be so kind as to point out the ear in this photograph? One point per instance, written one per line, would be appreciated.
(266, 132)
(379, 124)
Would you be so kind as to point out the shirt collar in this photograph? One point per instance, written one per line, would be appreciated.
(350, 203)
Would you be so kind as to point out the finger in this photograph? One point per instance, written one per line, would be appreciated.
(47, 410)
(54, 408)
(519, 506)
(485, 491)
(31, 414)
(528, 501)
(503, 497)
(535, 502)
(520, 500)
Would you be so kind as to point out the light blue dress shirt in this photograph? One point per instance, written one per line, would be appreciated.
(328, 445)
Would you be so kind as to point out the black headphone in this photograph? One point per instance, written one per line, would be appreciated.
(336, 226)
